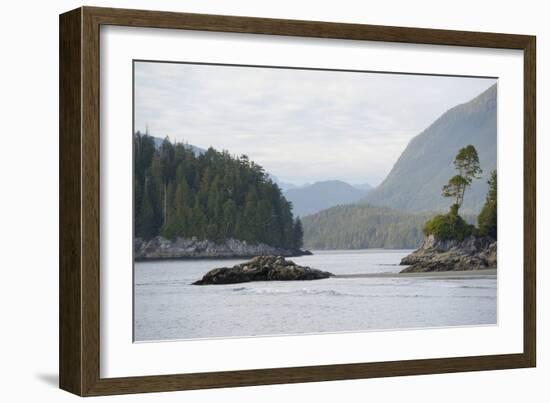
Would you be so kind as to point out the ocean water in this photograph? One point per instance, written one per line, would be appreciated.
(168, 307)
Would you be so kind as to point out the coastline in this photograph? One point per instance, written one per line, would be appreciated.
(473, 253)
(209, 257)
(160, 249)
(449, 275)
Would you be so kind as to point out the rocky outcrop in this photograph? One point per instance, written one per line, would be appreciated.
(262, 268)
(472, 253)
(181, 248)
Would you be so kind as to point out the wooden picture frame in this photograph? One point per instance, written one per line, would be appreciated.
(79, 348)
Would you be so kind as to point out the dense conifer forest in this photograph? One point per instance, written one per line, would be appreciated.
(179, 192)
(362, 226)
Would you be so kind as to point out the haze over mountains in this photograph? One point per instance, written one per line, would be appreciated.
(415, 181)
(411, 193)
(318, 196)
(282, 184)
(309, 198)
(338, 215)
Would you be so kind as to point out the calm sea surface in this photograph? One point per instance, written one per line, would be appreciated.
(168, 307)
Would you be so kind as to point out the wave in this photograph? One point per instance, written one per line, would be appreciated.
(165, 283)
(302, 291)
(335, 293)
(466, 287)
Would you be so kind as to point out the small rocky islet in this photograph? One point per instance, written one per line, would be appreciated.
(262, 268)
(471, 253)
(434, 255)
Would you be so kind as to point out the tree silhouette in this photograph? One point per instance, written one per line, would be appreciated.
(466, 163)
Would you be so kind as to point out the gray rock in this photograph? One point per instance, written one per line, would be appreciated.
(262, 268)
(472, 253)
(181, 248)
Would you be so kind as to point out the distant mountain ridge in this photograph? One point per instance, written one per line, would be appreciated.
(362, 226)
(415, 181)
(363, 186)
(322, 195)
(283, 185)
(196, 150)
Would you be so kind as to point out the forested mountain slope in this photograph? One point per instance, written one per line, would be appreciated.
(415, 181)
(361, 226)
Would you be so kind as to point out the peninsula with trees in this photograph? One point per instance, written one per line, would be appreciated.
(450, 243)
(392, 215)
(192, 203)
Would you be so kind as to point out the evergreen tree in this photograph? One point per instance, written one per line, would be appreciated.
(228, 222)
(467, 164)
(487, 219)
(210, 195)
(146, 222)
(298, 233)
(452, 225)
(169, 227)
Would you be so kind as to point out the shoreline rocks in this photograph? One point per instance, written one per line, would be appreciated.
(262, 268)
(472, 253)
(160, 248)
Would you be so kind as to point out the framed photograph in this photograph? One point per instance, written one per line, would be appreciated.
(249, 201)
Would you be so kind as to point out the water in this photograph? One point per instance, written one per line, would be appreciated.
(168, 307)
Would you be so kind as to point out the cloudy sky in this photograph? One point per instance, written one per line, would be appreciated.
(301, 126)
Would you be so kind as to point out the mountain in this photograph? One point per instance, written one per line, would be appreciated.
(415, 181)
(321, 195)
(283, 185)
(359, 226)
(362, 226)
(363, 186)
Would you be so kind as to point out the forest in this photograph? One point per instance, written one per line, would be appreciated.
(359, 226)
(179, 192)
(362, 226)
(452, 225)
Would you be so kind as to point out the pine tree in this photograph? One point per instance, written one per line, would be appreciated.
(467, 165)
(298, 240)
(228, 221)
(452, 225)
(169, 227)
(146, 223)
(211, 195)
(487, 219)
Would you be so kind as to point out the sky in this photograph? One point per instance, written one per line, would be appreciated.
(302, 126)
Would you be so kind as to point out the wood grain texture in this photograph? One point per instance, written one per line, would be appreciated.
(316, 29)
(90, 202)
(80, 201)
(530, 203)
(70, 273)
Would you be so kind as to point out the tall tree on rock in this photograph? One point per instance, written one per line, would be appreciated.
(467, 165)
